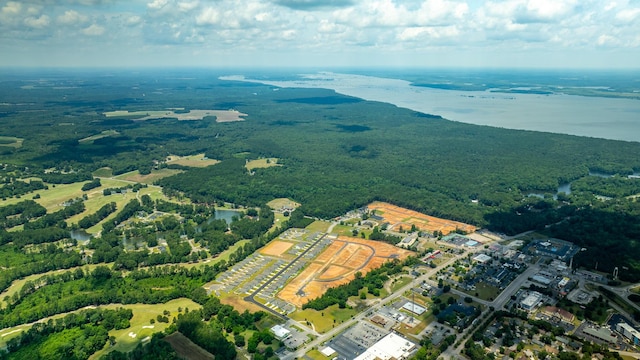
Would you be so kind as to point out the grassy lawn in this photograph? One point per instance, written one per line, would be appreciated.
(103, 172)
(135, 176)
(400, 282)
(279, 203)
(141, 323)
(344, 230)
(484, 291)
(197, 160)
(319, 226)
(316, 355)
(261, 163)
(11, 141)
(324, 320)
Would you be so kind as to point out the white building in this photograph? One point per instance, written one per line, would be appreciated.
(280, 332)
(531, 301)
(414, 308)
(390, 347)
(629, 332)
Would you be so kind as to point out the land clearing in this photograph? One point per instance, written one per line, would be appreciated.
(239, 303)
(181, 115)
(155, 175)
(104, 134)
(187, 349)
(276, 248)
(11, 141)
(198, 160)
(261, 163)
(281, 204)
(400, 217)
(337, 265)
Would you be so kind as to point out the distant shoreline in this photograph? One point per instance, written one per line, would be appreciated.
(598, 117)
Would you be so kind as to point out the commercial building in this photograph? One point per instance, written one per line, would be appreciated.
(531, 301)
(629, 332)
(280, 332)
(390, 347)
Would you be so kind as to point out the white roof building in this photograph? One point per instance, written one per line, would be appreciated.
(531, 301)
(390, 347)
(280, 332)
(414, 308)
(482, 258)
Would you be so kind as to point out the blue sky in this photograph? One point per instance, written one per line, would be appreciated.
(321, 33)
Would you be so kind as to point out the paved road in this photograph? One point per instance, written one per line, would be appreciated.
(251, 296)
(361, 316)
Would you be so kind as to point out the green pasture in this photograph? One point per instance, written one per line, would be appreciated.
(326, 319)
(319, 226)
(11, 141)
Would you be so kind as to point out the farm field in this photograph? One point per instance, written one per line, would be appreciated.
(400, 217)
(337, 265)
(197, 160)
(11, 141)
(155, 175)
(262, 163)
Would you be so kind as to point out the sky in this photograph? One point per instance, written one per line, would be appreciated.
(320, 33)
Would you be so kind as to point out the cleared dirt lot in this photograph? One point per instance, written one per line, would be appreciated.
(400, 217)
(337, 265)
(276, 248)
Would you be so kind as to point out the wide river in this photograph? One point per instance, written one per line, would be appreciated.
(608, 118)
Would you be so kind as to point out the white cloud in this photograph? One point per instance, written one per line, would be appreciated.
(71, 17)
(37, 22)
(93, 30)
(628, 15)
(321, 27)
(157, 4)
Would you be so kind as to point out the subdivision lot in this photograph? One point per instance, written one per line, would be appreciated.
(337, 265)
(400, 217)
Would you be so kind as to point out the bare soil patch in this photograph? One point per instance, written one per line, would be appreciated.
(276, 248)
(400, 217)
(337, 265)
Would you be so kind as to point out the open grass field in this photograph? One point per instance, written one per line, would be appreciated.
(11, 141)
(135, 176)
(326, 319)
(261, 163)
(197, 160)
(103, 172)
(279, 203)
(187, 349)
(319, 226)
(220, 115)
(141, 327)
(337, 265)
(104, 134)
(400, 217)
